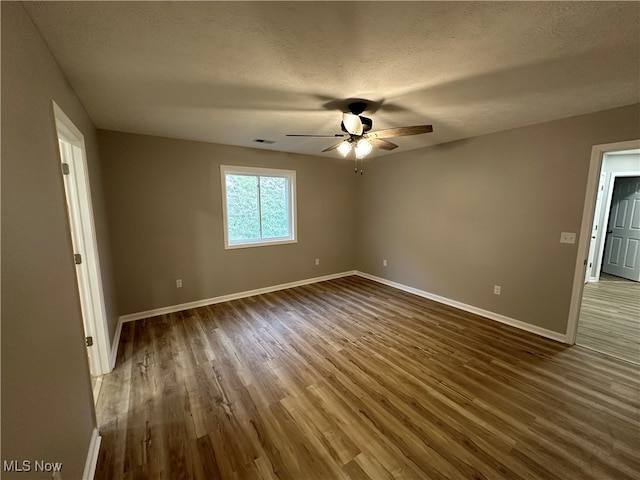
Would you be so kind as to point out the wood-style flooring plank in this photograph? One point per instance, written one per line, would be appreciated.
(610, 318)
(350, 379)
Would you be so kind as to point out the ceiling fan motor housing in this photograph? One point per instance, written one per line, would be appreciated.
(367, 123)
(357, 107)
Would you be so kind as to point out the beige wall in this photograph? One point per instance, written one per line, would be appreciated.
(47, 406)
(165, 212)
(456, 219)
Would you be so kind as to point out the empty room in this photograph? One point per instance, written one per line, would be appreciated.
(320, 240)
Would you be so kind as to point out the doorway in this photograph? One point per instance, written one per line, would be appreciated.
(605, 309)
(80, 213)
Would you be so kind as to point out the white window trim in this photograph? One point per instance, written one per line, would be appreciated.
(290, 175)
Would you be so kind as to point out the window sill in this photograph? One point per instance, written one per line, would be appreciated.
(261, 243)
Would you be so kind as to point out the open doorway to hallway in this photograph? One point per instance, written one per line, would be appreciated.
(609, 320)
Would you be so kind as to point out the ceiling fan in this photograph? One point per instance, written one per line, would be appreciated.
(359, 137)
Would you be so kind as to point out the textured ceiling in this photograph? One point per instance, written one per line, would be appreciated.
(230, 72)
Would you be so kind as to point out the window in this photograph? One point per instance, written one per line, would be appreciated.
(258, 206)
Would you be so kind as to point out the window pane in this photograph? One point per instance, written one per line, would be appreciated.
(274, 207)
(242, 208)
(259, 206)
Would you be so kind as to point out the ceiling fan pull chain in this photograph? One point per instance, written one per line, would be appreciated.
(356, 169)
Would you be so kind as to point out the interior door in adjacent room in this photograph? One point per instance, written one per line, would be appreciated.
(622, 247)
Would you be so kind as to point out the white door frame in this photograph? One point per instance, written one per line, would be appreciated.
(593, 254)
(595, 166)
(88, 272)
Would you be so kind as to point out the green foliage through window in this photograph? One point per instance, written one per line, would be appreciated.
(257, 208)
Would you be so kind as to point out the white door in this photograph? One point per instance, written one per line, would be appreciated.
(75, 222)
(83, 236)
(622, 248)
(595, 229)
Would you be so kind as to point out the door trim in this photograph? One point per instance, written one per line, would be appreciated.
(599, 205)
(595, 166)
(93, 294)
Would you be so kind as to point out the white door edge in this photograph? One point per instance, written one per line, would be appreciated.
(595, 166)
(92, 291)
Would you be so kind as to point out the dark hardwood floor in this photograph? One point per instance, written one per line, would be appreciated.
(352, 379)
(610, 318)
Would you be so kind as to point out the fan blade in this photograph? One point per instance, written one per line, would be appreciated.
(319, 136)
(352, 123)
(333, 147)
(383, 144)
(400, 131)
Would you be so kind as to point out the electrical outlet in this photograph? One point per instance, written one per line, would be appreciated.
(384, 263)
(567, 237)
(317, 261)
(179, 283)
(497, 289)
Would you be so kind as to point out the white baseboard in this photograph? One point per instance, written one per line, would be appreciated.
(224, 298)
(543, 332)
(92, 456)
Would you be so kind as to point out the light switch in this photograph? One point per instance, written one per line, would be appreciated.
(567, 237)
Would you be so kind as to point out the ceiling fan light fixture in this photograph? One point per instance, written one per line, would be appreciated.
(352, 123)
(363, 148)
(344, 148)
